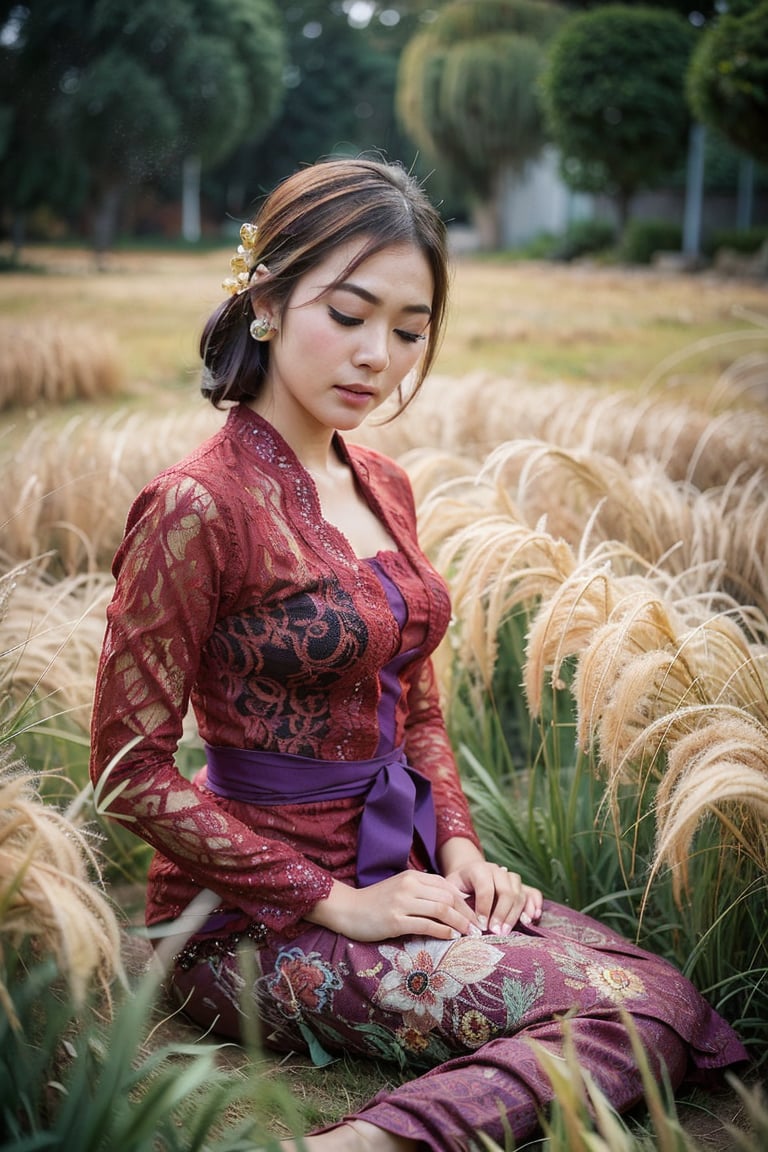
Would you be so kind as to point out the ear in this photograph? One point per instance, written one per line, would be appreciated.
(261, 306)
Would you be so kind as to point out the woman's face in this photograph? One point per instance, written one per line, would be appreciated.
(342, 350)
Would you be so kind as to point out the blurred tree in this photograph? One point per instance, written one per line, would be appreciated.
(727, 81)
(341, 69)
(615, 99)
(697, 13)
(127, 88)
(35, 167)
(468, 95)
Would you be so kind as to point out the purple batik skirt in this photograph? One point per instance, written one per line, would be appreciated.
(466, 1019)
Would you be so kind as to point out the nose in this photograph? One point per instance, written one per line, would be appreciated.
(373, 348)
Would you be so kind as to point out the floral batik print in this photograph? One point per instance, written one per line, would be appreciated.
(301, 983)
(463, 1020)
(426, 974)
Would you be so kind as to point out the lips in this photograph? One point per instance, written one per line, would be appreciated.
(356, 393)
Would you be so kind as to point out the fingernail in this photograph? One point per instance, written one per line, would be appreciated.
(496, 928)
(525, 918)
(474, 930)
(506, 929)
(483, 921)
(455, 934)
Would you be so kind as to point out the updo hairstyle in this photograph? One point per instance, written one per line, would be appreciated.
(299, 224)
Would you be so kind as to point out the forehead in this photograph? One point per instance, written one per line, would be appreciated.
(400, 271)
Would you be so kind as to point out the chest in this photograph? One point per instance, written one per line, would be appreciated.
(344, 506)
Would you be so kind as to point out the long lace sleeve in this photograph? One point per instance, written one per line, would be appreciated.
(174, 576)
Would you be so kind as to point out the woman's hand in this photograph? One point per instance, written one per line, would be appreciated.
(498, 896)
(410, 903)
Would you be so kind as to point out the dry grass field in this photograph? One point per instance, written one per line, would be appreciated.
(637, 401)
(607, 326)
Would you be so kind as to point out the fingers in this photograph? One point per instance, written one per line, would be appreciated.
(420, 903)
(509, 902)
(423, 903)
(501, 899)
(533, 905)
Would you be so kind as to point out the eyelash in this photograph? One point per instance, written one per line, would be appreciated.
(353, 321)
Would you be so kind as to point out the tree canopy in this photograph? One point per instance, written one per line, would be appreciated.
(119, 90)
(727, 82)
(615, 99)
(467, 87)
(341, 69)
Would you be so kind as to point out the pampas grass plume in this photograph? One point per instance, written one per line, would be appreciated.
(47, 894)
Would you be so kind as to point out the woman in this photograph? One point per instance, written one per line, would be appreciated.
(274, 579)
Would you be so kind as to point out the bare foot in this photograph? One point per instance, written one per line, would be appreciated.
(356, 1136)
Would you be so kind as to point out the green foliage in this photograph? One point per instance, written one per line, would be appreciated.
(121, 91)
(614, 98)
(95, 1084)
(535, 799)
(584, 237)
(339, 99)
(467, 86)
(745, 240)
(58, 752)
(727, 81)
(643, 238)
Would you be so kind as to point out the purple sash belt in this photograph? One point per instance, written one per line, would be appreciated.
(398, 803)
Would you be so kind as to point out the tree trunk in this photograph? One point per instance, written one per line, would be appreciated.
(623, 202)
(694, 192)
(746, 192)
(487, 217)
(190, 199)
(18, 233)
(105, 222)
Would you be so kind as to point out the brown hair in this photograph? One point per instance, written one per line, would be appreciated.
(299, 223)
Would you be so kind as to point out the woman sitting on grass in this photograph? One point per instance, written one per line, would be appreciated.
(274, 578)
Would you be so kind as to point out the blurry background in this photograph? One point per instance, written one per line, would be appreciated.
(532, 119)
(589, 459)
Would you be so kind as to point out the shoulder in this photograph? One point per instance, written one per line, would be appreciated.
(196, 502)
(189, 484)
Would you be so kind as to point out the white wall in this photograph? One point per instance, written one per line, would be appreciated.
(539, 201)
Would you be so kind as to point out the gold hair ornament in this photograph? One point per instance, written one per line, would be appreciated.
(244, 262)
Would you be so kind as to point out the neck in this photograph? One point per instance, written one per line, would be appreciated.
(312, 444)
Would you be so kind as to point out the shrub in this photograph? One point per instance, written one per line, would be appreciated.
(744, 240)
(584, 237)
(643, 238)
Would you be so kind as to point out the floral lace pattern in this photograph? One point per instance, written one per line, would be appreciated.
(237, 596)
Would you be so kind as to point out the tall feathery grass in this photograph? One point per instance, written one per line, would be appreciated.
(48, 897)
(51, 633)
(49, 363)
(605, 675)
(628, 611)
(67, 488)
(79, 1063)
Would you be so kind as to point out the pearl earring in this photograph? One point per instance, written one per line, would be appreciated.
(262, 328)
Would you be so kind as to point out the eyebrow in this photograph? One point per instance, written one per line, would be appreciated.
(370, 298)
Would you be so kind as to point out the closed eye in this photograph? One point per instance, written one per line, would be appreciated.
(342, 318)
(353, 321)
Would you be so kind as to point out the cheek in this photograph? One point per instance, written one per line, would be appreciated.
(409, 356)
(317, 335)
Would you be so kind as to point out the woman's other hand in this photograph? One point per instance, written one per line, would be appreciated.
(499, 897)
